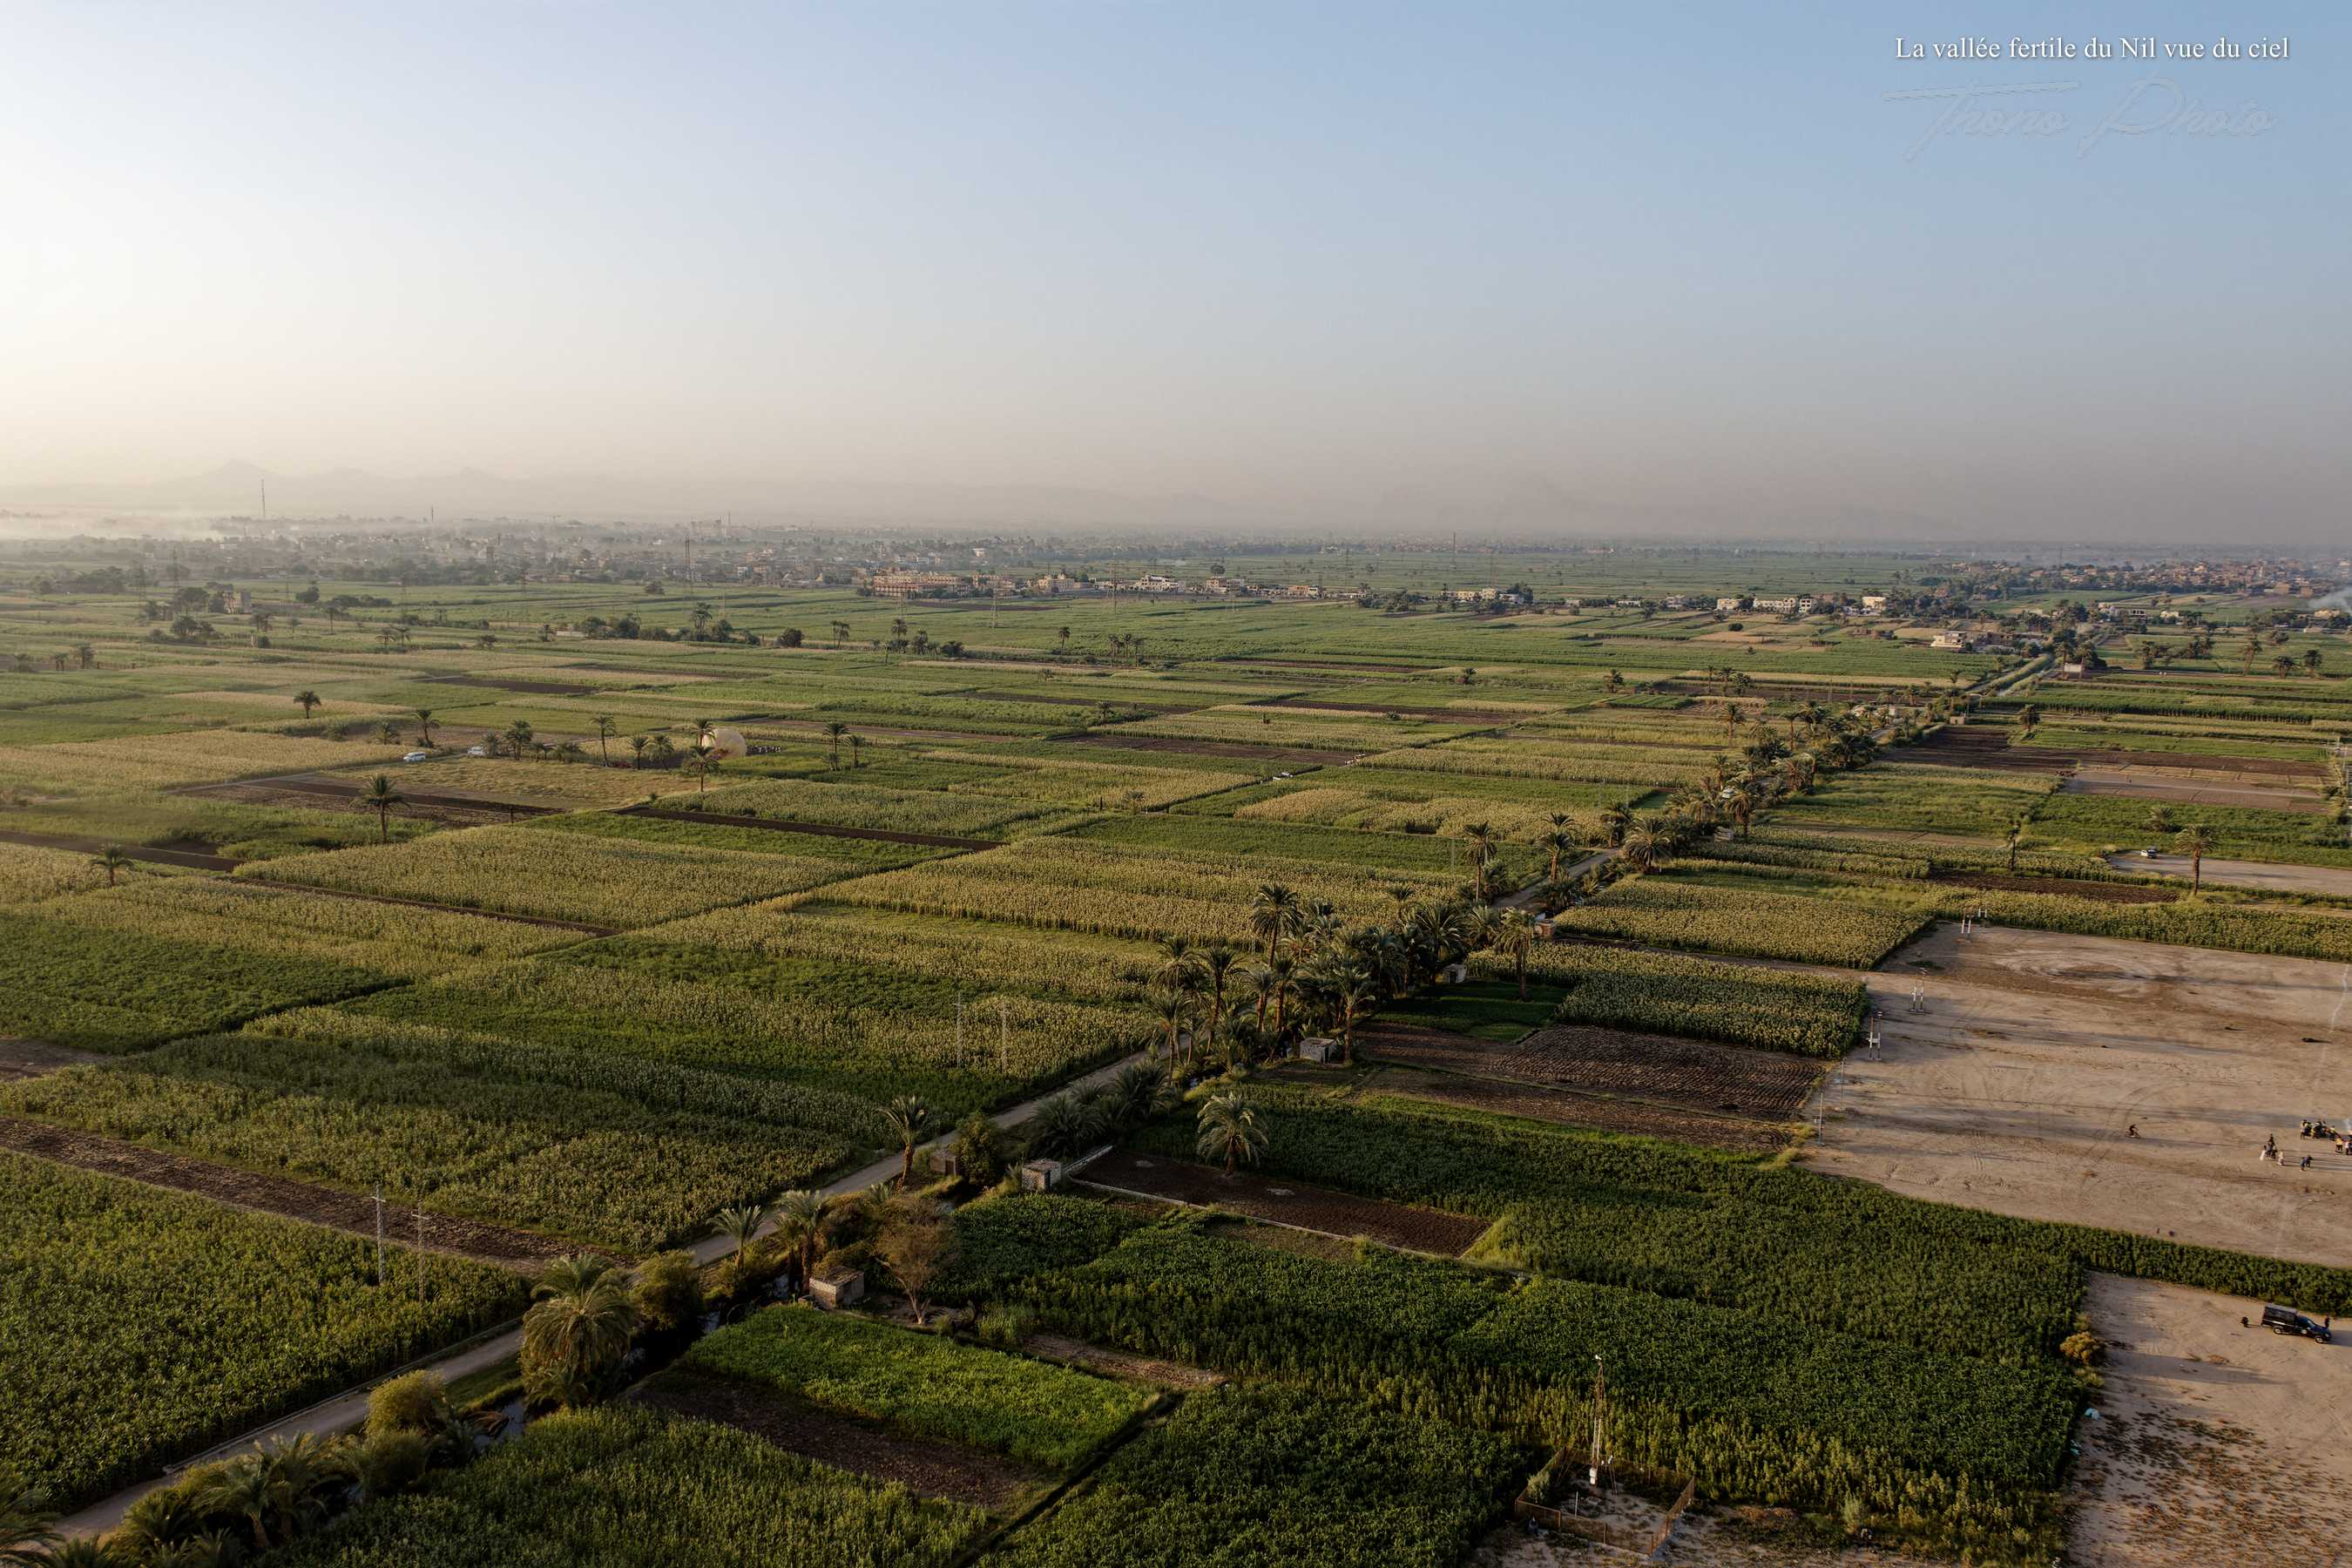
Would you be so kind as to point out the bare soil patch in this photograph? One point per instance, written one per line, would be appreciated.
(1120, 1363)
(989, 1481)
(1287, 1202)
(31, 1058)
(1380, 710)
(1603, 1113)
(429, 904)
(448, 816)
(1691, 1075)
(1295, 756)
(2215, 1443)
(312, 790)
(2264, 875)
(2141, 784)
(2019, 1086)
(193, 858)
(528, 688)
(303, 1201)
(818, 830)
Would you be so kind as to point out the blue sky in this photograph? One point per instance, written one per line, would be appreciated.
(1333, 259)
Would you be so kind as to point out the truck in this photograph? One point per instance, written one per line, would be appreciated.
(2287, 1320)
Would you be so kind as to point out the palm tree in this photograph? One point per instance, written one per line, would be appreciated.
(1229, 1131)
(112, 861)
(1514, 938)
(244, 1488)
(1556, 843)
(800, 1224)
(309, 699)
(1641, 849)
(2195, 841)
(1216, 964)
(578, 1328)
(1173, 1009)
(2016, 837)
(834, 732)
(1352, 1000)
(1282, 979)
(909, 1118)
(606, 730)
(2311, 661)
(637, 744)
(381, 797)
(742, 1227)
(25, 1522)
(2252, 649)
(1732, 719)
(519, 735)
(1178, 963)
(1614, 820)
(1482, 845)
(841, 631)
(425, 726)
(2282, 664)
(1272, 915)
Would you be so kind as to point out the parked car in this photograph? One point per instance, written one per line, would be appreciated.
(2287, 1320)
(418, 757)
(478, 750)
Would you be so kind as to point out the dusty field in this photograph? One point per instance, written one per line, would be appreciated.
(1288, 1202)
(2038, 1051)
(2216, 1443)
(2264, 875)
(21, 1059)
(1603, 1113)
(279, 1196)
(1287, 756)
(989, 1481)
(1119, 1364)
(1690, 1074)
(316, 800)
(2143, 785)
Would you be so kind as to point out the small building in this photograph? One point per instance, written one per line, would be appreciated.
(838, 1287)
(1318, 1048)
(1730, 602)
(1041, 1175)
(1874, 603)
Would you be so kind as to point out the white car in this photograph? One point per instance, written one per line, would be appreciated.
(478, 750)
(418, 757)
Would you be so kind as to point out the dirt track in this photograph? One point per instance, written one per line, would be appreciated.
(2015, 1090)
(2264, 875)
(2142, 784)
(2215, 1443)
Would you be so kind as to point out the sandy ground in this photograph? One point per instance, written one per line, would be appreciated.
(2014, 1089)
(2142, 784)
(2267, 876)
(2215, 1443)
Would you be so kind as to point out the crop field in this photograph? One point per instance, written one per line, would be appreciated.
(983, 843)
(117, 969)
(1049, 1416)
(561, 876)
(675, 1489)
(108, 1370)
(1094, 889)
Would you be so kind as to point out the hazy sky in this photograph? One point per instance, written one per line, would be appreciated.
(1305, 254)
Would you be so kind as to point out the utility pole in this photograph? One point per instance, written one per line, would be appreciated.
(1592, 1472)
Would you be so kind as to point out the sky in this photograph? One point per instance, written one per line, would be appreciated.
(1547, 265)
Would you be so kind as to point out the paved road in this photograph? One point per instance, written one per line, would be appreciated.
(347, 1410)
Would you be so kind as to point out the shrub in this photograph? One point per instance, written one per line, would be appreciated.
(413, 1402)
(667, 1291)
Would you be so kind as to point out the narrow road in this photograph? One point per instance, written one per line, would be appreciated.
(347, 1410)
(188, 858)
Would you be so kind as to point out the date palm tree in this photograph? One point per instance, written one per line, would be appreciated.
(800, 1224)
(834, 732)
(519, 737)
(2196, 841)
(1282, 983)
(1353, 996)
(1172, 1008)
(909, 1118)
(637, 744)
(2252, 649)
(1556, 843)
(381, 797)
(309, 699)
(425, 726)
(27, 1524)
(740, 1225)
(1274, 914)
(2311, 661)
(578, 1328)
(1514, 938)
(1229, 1131)
(1641, 849)
(2016, 837)
(113, 862)
(1481, 836)
(1178, 963)
(606, 730)
(2282, 664)
(1216, 967)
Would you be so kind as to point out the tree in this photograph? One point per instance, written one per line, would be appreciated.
(112, 861)
(2016, 837)
(841, 631)
(1353, 997)
(425, 726)
(790, 637)
(909, 1118)
(25, 1522)
(2311, 661)
(606, 730)
(2029, 719)
(1173, 1009)
(637, 744)
(1274, 914)
(1641, 851)
(833, 732)
(2252, 649)
(577, 1330)
(309, 699)
(1555, 843)
(1514, 938)
(381, 797)
(916, 1246)
(740, 1225)
(2196, 841)
(667, 1291)
(1482, 846)
(2282, 664)
(1229, 1131)
(800, 1224)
